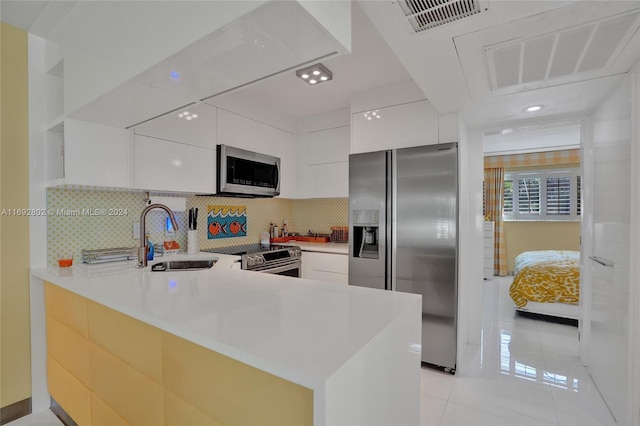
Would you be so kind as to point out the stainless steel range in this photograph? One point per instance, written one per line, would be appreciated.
(272, 259)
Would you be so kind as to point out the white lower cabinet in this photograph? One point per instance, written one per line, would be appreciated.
(325, 267)
(169, 166)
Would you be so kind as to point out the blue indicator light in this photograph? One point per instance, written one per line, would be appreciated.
(175, 75)
(172, 284)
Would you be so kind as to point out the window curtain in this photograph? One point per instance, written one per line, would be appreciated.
(494, 192)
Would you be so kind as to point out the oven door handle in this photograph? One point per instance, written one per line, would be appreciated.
(278, 269)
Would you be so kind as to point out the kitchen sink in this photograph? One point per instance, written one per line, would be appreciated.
(182, 265)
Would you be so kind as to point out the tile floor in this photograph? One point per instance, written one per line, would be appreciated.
(526, 372)
(44, 418)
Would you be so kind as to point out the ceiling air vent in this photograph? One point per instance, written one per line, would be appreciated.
(589, 47)
(425, 14)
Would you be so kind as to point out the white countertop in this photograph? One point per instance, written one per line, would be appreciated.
(298, 329)
(337, 248)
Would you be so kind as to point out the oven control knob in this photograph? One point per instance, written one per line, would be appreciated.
(295, 253)
(255, 260)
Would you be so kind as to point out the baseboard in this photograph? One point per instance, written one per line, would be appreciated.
(15, 411)
(61, 414)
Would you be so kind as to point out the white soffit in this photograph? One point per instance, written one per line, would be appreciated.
(574, 43)
(580, 49)
(532, 138)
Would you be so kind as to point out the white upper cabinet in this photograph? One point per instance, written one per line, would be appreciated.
(193, 125)
(328, 180)
(328, 162)
(242, 132)
(398, 126)
(169, 166)
(95, 155)
(323, 154)
(286, 151)
(329, 146)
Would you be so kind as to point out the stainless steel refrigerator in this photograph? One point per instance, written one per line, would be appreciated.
(403, 219)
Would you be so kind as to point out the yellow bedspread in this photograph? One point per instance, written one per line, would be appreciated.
(546, 276)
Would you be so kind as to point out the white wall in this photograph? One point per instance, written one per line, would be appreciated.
(611, 218)
(471, 232)
(37, 224)
(634, 273)
(517, 141)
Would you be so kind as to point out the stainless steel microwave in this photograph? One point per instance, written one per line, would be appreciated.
(243, 173)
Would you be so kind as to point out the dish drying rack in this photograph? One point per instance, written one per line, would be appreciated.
(117, 254)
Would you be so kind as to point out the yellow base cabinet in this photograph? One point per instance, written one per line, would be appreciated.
(106, 368)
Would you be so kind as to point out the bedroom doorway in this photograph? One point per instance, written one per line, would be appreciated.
(532, 199)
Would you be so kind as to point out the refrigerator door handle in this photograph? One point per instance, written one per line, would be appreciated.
(392, 212)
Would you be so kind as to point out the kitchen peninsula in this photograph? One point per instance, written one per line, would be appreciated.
(228, 346)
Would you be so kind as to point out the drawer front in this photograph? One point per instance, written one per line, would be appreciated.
(66, 307)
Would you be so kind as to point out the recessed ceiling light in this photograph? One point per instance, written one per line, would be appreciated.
(369, 115)
(187, 115)
(533, 108)
(319, 72)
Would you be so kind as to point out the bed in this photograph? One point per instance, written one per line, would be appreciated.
(547, 283)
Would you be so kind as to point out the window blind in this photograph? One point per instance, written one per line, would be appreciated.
(542, 195)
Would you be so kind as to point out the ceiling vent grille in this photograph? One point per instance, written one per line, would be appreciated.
(425, 14)
(589, 47)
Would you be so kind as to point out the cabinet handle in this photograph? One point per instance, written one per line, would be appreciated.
(602, 261)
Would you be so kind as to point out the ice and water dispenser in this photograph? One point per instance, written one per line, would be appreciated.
(366, 228)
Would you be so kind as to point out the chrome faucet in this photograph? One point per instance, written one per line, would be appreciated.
(142, 250)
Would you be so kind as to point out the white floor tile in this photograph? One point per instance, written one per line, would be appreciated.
(457, 414)
(436, 383)
(582, 408)
(566, 373)
(44, 418)
(559, 339)
(431, 410)
(516, 399)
